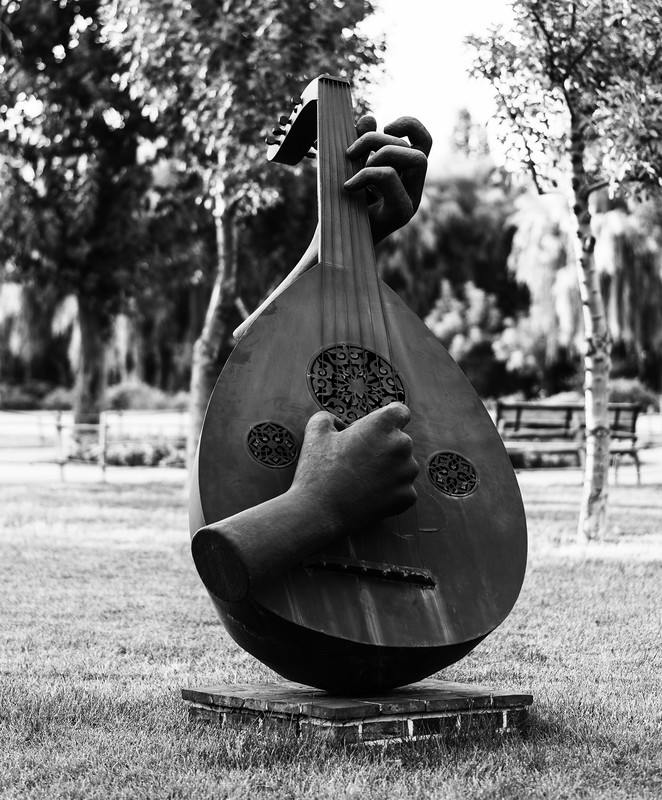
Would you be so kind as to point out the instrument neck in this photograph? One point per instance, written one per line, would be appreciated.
(345, 236)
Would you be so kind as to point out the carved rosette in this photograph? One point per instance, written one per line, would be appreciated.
(272, 445)
(452, 474)
(351, 381)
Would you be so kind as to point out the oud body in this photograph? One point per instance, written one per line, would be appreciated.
(408, 595)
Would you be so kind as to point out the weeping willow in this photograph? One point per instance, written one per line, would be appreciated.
(628, 258)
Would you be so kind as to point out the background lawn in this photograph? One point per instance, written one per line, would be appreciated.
(104, 620)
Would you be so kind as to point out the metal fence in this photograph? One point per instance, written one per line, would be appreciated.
(133, 438)
(122, 438)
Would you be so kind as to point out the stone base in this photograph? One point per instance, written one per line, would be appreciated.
(420, 710)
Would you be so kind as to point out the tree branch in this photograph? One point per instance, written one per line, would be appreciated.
(550, 45)
(530, 160)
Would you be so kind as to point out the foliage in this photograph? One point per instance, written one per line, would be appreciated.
(72, 186)
(559, 75)
(218, 75)
(27, 396)
(598, 62)
(32, 345)
(461, 233)
(627, 258)
(632, 390)
(450, 265)
(59, 399)
(468, 321)
(135, 395)
(271, 241)
(152, 453)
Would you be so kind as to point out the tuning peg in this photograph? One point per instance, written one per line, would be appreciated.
(271, 139)
(311, 153)
(278, 131)
(295, 100)
(283, 120)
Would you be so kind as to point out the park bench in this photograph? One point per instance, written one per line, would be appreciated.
(537, 428)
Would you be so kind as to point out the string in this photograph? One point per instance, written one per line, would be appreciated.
(344, 246)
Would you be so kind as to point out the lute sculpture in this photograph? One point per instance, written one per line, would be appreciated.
(357, 557)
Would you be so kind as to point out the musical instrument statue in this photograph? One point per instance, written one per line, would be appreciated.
(404, 596)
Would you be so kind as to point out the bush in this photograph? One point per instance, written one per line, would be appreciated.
(621, 390)
(133, 395)
(59, 399)
(138, 396)
(159, 453)
(632, 390)
(24, 397)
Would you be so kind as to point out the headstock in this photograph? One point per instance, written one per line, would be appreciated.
(295, 137)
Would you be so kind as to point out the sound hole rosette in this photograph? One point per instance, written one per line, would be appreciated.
(452, 474)
(272, 445)
(350, 381)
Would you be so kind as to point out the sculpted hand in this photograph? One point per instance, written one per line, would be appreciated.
(346, 478)
(394, 174)
(358, 474)
(394, 170)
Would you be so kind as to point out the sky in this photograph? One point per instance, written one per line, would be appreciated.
(426, 63)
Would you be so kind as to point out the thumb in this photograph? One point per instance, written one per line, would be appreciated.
(321, 424)
(394, 415)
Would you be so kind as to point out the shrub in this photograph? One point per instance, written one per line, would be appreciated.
(632, 390)
(621, 390)
(158, 453)
(24, 397)
(60, 399)
(135, 395)
(146, 454)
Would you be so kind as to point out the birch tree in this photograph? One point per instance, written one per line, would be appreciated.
(578, 87)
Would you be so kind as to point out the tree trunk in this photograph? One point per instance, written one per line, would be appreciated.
(216, 330)
(91, 379)
(593, 510)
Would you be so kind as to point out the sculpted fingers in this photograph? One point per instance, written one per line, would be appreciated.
(394, 207)
(395, 164)
(366, 124)
(393, 415)
(411, 166)
(400, 158)
(414, 130)
(320, 424)
(371, 141)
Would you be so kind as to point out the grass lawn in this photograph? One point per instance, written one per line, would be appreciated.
(103, 620)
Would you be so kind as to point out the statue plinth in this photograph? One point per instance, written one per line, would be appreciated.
(421, 710)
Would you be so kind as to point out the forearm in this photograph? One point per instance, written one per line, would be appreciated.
(234, 555)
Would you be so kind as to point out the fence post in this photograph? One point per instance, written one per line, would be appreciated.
(103, 438)
(60, 443)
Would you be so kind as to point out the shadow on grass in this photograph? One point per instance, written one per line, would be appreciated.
(254, 747)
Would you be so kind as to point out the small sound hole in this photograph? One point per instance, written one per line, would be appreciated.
(351, 381)
(452, 474)
(272, 445)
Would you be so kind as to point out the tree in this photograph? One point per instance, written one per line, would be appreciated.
(628, 266)
(578, 85)
(73, 191)
(541, 258)
(461, 233)
(219, 74)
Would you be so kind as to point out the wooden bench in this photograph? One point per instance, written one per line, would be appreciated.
(623, 432)
(559, 429)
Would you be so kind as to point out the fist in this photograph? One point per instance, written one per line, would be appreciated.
(359, 474)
